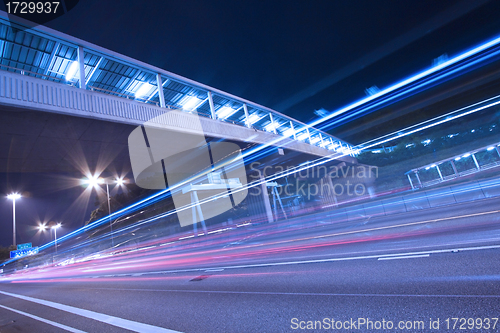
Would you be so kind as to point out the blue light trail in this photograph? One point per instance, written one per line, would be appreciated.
(423, 79)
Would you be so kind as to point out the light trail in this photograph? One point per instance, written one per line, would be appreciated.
(149, 260)
(429, 72)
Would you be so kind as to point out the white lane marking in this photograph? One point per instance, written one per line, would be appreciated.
(314, 261)
(404, 257)
(107, 319)
(53, 323)
(214, 270)
(293, 294)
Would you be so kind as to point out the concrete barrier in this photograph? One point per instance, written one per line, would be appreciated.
(356, 213)
(440, 197)
(467, 192)
(416, 201)
(394, 206)
(491, 187)
(420, 200)
(374, 208)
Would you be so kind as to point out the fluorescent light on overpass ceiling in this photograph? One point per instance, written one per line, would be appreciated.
(73, 68)
(190, 103)
(303, 136)
(491, 148)
(315, 139)
(144, 89)
(254, 118)
(225, 112)
(457, 159)
(288, 133)
(466, 155)
(272, 126)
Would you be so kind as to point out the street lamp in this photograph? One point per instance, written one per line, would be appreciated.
(13, 197)
(42, 227)
(94, 182)
(55, 227)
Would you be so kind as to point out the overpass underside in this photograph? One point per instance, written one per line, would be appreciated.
(50, 127)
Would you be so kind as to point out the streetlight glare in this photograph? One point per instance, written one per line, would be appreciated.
(93, 181)
(42, 227)
(57, 226)
(14, 196)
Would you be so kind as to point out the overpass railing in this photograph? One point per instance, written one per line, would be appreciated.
(461, 165)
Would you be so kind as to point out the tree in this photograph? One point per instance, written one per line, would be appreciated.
(116, 202)
(5, 252)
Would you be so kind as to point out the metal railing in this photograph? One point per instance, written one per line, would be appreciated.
(465, 164)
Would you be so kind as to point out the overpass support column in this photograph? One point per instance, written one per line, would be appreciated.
(159, 84)
(212, 107)
(247, 123)
(418, 178)
(439, 172)
(81, 67)
(293, 130)
(454, 168)
(272, 123)
(411, 183)
(475, 162)
(265, 197)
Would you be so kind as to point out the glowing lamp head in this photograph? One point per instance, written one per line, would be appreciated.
(14, 196)
(57, 226)
(120, 181)
(42, 227)
(93, 181)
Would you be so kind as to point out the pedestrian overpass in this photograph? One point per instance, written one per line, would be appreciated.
(45, 70)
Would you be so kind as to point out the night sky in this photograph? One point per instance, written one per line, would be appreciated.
(268, 51)
(263, 51)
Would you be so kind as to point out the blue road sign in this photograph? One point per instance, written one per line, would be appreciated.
(23, 253)
(24, 246)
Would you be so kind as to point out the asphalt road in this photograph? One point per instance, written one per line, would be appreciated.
(408, 269)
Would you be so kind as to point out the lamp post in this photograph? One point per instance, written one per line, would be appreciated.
(13, 197)
(55, 227)
(94, 182)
